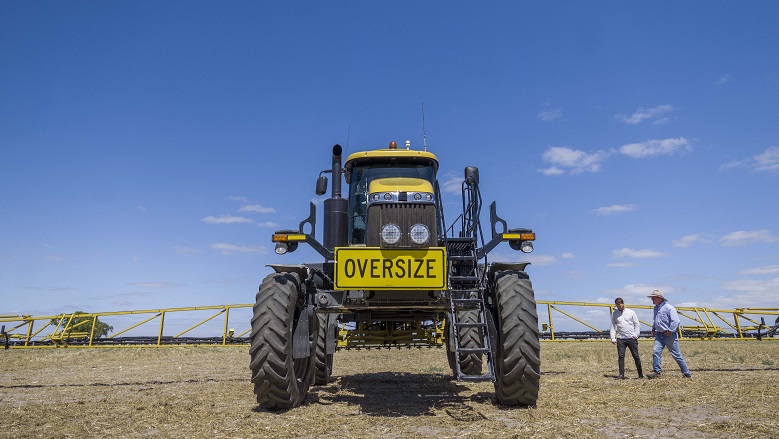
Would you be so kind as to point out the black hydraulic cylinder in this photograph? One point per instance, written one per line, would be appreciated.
(336, 219)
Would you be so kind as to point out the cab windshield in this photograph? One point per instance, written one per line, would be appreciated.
(361, 178)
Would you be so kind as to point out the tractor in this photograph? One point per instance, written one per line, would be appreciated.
(395, 274)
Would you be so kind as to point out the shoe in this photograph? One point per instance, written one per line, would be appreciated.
(641, 377)
(687, 376)
(621, 377)
(652, 375)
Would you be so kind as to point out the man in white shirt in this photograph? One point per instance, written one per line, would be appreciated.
(625, 330)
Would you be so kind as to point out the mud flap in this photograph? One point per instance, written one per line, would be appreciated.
(330, 341)
(301, 340)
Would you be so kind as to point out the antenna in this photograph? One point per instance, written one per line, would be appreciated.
(424, 136)
(348, 132)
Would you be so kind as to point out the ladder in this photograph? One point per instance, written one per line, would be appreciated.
(466, 293)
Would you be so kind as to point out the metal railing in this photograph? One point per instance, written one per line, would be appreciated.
(213, 323)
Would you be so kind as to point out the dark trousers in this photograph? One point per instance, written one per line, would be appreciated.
(632, 344)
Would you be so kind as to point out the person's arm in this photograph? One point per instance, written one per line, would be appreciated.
(673, 320)
(636, 325)
(654, 321)
(613, 330)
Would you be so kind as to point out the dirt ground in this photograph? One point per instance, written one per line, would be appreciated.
(206, 392)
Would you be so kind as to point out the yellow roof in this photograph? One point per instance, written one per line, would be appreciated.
(387, 155)
(399, 153)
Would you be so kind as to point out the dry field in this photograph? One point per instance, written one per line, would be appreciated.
(205, 392)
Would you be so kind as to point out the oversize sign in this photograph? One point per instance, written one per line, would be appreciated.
(373, 268)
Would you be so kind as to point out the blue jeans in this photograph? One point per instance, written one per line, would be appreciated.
(672, 343)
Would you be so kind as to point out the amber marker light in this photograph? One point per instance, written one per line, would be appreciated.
(286, 237)
(520, 236)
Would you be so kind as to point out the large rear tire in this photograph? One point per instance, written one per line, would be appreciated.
(324, 361)
(518, 364)
(280, 381)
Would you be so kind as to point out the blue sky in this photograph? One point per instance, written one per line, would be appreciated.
(148, 150)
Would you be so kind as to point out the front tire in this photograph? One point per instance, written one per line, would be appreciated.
(518, 364)
(324, 361)
(280, 381)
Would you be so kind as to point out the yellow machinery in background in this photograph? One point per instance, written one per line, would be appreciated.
(72, 329)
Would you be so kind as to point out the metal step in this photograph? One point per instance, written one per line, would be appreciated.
(474, 350)
(463, 258)
(470, 325)
(484, 377)
(471, 303)
(461, 304)
(464, 279)
(467, 301)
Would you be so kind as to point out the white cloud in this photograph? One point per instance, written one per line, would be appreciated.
(655, 147)
(735, 164)
(634, 293)
(753, 286)
(688, 240)
(452, 185)
(642, 114)
(550, 115)
(239, 198)
(766, 161)
(540, 260)
(614, 209)
(742, 237)
(185, 250)
(268, 225)
(552, 171)
(768, 269)
(27, 287)
(568, 255)
(534, 259)
(228, 249)
(749, 293)
(661, 121)
(724, 79)
(257, 208)
(226, 219)
(573, 160)
(640, 254)
(623, 264)
(154, 284)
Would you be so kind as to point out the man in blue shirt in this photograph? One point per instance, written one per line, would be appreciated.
(665, 330)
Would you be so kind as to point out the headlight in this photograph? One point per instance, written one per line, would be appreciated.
(419, 233)
(390, 234)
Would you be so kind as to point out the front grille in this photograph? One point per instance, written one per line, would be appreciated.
(404, 215)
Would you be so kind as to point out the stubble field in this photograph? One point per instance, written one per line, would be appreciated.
(206, 392)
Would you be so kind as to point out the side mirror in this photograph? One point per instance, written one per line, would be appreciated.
(473, 173)
(321, 185)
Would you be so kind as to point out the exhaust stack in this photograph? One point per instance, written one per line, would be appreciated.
(336, 219)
